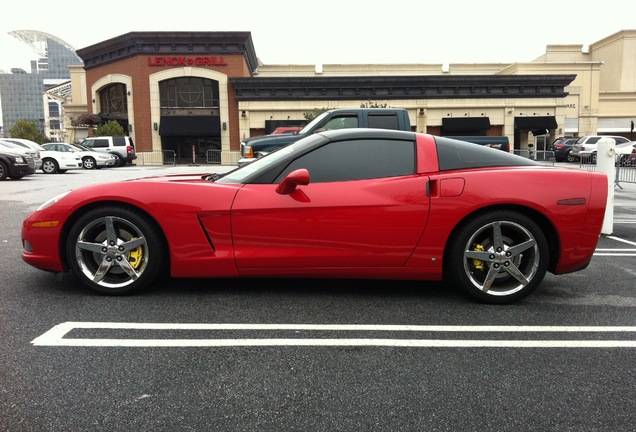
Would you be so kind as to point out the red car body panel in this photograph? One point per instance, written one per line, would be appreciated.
(395, 227)
(367, 223)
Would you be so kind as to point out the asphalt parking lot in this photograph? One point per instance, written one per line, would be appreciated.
(312, 355)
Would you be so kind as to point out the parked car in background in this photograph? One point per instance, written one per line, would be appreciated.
(33, 149)
(121, 147)
(14, 165)
(625, 154)
(588, 144)
(375, 118)
(562, 147)
(350, 203)
(90, 159)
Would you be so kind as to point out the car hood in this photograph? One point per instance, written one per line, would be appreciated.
(175, 178)
(273, 139)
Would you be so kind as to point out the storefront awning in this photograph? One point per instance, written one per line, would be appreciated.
(189, 126)
(464, 124)
(535, 123)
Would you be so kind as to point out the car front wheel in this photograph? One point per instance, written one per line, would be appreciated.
(88, 163)
(115, 250)
(499, 257)
(49, 166)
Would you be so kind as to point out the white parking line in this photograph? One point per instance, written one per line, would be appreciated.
(616, 251)
(56, 336)
(622, 240)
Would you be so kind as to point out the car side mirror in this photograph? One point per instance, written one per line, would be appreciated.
(292, 180)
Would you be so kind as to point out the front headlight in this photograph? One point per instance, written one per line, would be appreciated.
(53, 201)
(19, 159)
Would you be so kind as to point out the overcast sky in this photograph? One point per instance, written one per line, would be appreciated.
(334, 31)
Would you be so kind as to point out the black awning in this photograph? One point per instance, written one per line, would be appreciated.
(535, 123)
(190, 126)
(465, 124)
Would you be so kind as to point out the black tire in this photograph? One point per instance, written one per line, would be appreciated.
(89, 163)
(499, 257)
(115, 250)
(119, 161)
(49, 166)
(570, 158)
(4, 171)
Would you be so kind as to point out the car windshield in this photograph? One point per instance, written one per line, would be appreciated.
(82, 147)
(9, 144)
(239, 175)
(311, 124)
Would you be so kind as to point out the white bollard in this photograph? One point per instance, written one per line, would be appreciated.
(605, 162)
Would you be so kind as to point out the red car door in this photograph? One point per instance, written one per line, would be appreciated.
(361, 223)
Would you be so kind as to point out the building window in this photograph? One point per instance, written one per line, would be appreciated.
(189, 92)
(113, 101)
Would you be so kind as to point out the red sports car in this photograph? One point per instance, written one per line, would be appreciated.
(357, 203)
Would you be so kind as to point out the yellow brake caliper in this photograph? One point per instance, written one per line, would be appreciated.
(478, 264)
(135, 256)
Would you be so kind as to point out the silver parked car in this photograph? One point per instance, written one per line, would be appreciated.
(588, 144)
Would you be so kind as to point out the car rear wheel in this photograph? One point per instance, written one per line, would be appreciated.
(49, 166)
(88, 163)
(119, 161)
(499, 257)
(115, 250)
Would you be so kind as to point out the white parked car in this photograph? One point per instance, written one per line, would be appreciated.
(52, 161)
(15, 145)
(90, 158)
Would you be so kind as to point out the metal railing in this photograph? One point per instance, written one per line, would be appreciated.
(213, 157)
(625, 167)
(157, 157)
(545, 157)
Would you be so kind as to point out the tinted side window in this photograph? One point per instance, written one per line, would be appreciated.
(384, 121)
(593, 140)
(341, 122)
(119, 141)
(96, 143)
(454, 154)
(356, 160)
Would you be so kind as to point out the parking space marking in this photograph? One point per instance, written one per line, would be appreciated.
(617, 251)
(622, 240)
(56, 336)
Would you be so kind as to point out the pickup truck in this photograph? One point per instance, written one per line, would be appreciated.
(379, 118)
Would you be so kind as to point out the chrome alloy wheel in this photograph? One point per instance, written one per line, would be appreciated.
(501, 258)
(112, 252)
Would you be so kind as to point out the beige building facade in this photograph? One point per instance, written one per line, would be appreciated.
(570, 90)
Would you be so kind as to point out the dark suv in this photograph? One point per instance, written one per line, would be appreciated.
(122, 147)
(562, 148)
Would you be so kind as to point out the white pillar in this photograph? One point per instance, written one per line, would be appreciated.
(605, 162)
